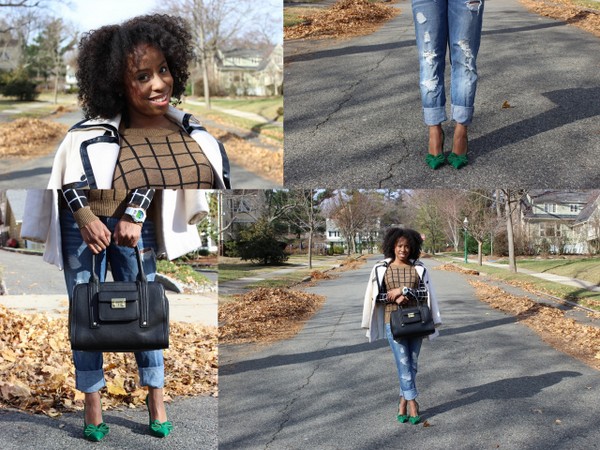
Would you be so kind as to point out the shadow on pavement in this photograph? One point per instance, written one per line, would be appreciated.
(355, 49)
(25, 173)
(511, 388)
(571, 105)
(296, 358)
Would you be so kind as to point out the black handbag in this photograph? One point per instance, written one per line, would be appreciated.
(414, 321)
(120, 316)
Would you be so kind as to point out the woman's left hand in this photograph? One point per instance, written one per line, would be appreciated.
(127, 233)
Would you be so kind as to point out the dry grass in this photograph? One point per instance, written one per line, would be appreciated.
(265, 315)
(564, 334)
(28, 138)
(345, 18)
(569, 11)
(38, 373)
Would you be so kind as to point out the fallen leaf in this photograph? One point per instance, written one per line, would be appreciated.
(506, 105)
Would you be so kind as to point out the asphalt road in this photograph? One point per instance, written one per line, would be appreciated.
(487, 382)
(354, 116)
(194, 428)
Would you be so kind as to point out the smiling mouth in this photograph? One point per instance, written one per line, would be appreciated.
(161, 99)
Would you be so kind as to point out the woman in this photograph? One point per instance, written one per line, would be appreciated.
(132, 137)
(109, 224)
(455, 24)
(401, 268)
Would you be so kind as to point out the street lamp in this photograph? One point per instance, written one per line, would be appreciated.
(465, 225)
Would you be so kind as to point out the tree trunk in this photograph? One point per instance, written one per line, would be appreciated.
(310, 238)
(512, 263)
(480, 252)
(56, 86)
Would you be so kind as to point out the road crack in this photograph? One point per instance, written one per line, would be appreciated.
(390, 170)
(350, 90)
(288, 406)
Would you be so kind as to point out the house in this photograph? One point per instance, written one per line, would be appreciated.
(549, 218)
(248, 72)
(367, 238)
(587, 227)
(10, 54)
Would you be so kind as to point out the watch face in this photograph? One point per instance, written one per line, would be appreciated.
(137, 214)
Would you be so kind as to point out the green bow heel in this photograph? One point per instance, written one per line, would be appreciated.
(415, 419)
(94, 433)
(158, 429)
(459, 161)
(437, 161)
(402, 418)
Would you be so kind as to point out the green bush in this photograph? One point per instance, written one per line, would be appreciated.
(259, 243)
(17, 84)
(231, 249)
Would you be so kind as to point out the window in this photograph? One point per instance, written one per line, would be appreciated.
(575, 208)
(550, 207)
(548, 230)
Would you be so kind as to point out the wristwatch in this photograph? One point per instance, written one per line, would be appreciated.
(138, 215)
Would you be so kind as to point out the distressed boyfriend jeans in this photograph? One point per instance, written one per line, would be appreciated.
(453, 24)
(406, 354)
(77, 259)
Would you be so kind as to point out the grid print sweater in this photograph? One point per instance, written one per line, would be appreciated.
(398, 277)
(161, 158)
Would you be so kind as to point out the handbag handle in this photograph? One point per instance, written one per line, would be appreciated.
(141, 274)
(143, 286)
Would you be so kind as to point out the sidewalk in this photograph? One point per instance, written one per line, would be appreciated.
(240, 285)
(237, 113)
(575, 282)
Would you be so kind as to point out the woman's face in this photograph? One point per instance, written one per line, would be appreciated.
(402, 250)
(148, 87)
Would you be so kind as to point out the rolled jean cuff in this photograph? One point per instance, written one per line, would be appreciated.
(153, 377)
(89, 381)
(463, 114)
(410, 394)
(434, 116)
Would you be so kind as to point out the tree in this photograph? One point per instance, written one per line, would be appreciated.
(511, 199)
(212, 23)
(56, 40)
(483, 221)
(305, 215)
(355, 212)
(259, 243)
(429, 217)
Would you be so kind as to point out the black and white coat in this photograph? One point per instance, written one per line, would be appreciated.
(87, 157)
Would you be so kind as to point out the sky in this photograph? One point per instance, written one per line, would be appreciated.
(91, 14)
(88, 15)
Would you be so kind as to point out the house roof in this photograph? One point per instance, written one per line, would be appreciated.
(589, 209)
(562, 197)
(539, 197)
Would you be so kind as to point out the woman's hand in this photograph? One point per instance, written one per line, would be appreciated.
(395, 295)
(96, 236)
(401, 299)
(127, 233)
